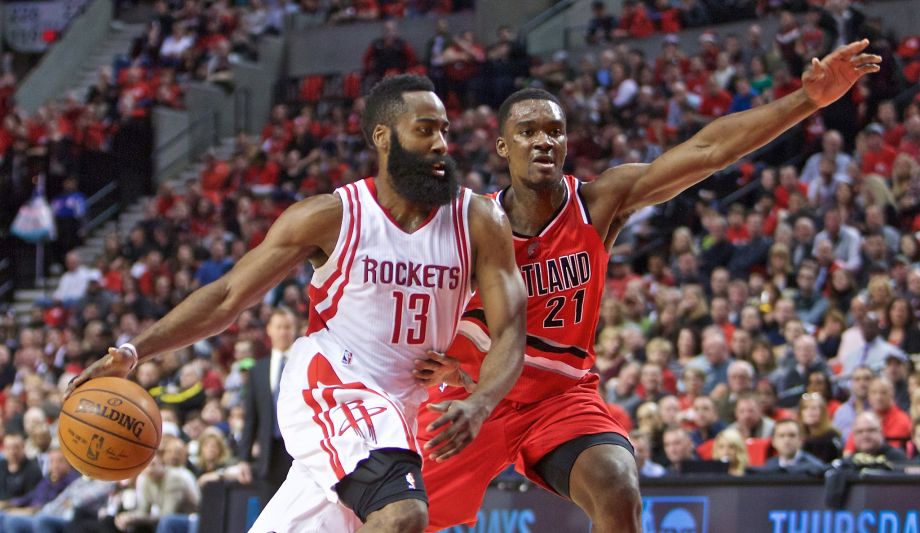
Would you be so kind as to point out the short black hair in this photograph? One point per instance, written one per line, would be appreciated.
(519, 96)
(385, 101)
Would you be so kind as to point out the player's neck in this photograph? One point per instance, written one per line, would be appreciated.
(407, 215)
(529, 210)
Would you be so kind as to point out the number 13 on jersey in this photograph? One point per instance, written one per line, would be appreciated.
(410, 317)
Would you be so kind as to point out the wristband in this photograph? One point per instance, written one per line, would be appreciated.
(128, 347)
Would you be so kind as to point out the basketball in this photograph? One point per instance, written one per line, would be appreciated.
(109, 429)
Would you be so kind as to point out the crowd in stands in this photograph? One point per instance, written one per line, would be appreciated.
(183, 41)
(772, 329)
(343, 11)
(641, 18)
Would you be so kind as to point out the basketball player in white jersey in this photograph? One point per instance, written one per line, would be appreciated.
(397, 258)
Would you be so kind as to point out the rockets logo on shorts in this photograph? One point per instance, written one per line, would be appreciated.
(410, 481)
(355, 413)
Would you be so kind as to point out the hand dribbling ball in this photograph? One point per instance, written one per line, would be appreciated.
(109, 429)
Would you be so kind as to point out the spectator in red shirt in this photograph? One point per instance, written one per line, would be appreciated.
(7, 89)
(895, 422)
(262, 174)
(709, 50)
(214, 177)
(696, 76)
(737, 230)
(784, 83)
(788, 183)
(671, 54)
(887, 116)
(462, 61)
(388, 54)
(878, 157)
(366, 9)
(910, 143)
(667, 17)
(909, 51)
(716, 100)
(635, 21)
(619, 276)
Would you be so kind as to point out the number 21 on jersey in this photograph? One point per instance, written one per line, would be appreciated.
(410, 317)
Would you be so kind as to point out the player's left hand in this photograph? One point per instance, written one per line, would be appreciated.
(465, 418)
(830, 78)
(439, 368)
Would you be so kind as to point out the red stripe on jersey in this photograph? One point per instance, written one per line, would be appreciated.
(314, 369)
(329, 397)
(315, 321)
(458, 224)
(326, 443)
(466, 252)
(333, 309)
(322, 291)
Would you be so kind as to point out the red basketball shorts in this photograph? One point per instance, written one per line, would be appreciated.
(516, 433)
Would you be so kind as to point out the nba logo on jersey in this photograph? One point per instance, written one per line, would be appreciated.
(410, 480)
(346, 357)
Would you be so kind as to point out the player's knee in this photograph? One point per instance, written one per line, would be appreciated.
(409, 516)
(616, 480)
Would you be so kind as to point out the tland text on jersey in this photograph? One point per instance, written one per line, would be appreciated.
(556, 274)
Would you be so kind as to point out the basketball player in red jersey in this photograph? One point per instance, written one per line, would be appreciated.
(396, 258)
(553, 424)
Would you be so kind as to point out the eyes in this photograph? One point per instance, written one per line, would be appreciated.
(554, 132)
(428, 130)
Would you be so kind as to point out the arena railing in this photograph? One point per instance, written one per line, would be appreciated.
(100, 207)
(242, 107)
(6, 278)
(186, 145)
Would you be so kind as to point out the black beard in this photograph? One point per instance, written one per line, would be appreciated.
(413, 176)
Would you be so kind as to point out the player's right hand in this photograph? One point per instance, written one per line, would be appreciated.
(439, 368)
(117, 363)
(465, 418)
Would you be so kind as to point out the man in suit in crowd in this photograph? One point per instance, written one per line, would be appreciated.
(678, 448)
(270, 467)
(791, 459)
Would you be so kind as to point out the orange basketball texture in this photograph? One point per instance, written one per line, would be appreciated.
(109, 429)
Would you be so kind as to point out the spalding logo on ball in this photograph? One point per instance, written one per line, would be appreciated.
(109, 429)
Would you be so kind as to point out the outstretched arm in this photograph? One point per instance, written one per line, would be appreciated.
(504, 301)
(294, 237)
(727, 139)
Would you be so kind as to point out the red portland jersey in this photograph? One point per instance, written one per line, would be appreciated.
(564, 268)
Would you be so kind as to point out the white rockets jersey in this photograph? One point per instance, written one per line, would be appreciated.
(386, 297)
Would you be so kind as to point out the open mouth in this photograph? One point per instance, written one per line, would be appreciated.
(439, 169)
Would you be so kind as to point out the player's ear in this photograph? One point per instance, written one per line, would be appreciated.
(381, 137)
(501, 147)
